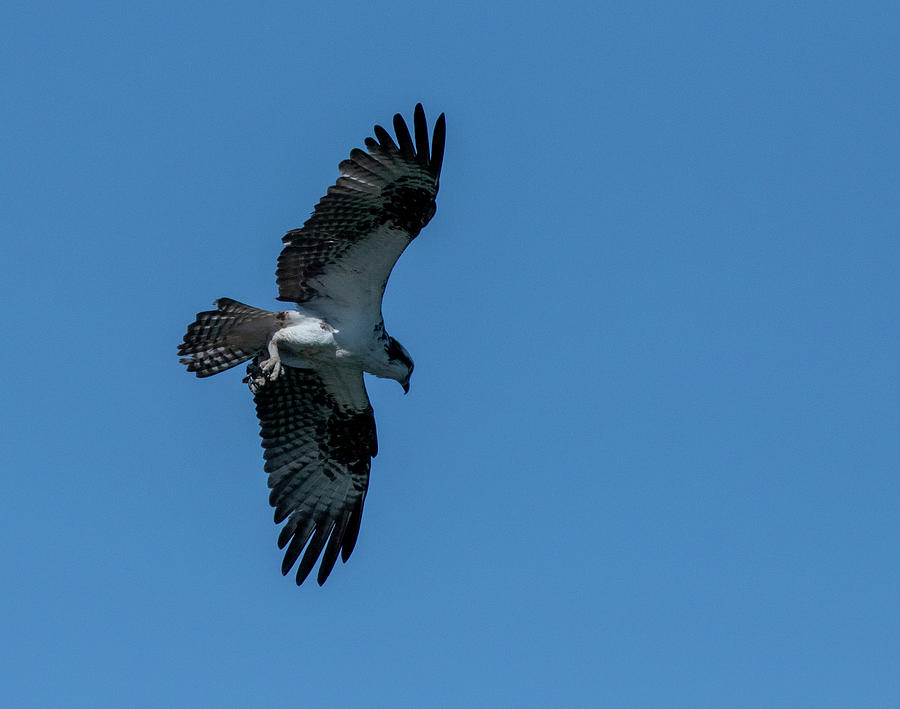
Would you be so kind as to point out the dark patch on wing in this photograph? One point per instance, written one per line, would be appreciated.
(349, 434)
(407, 205)
(388, 186)
(318, 453)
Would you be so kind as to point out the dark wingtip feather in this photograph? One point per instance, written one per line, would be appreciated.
(334, 546)
(282, 511)
(404, 139)
(385, 140)
(437, 146)
(301, 536)
(421, 129)
(311, 555)
(351, 533)
(287, 531)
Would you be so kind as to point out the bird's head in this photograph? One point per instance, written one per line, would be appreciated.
(401, 362)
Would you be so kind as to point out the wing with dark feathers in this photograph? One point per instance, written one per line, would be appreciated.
(318, 443)
(344, 253)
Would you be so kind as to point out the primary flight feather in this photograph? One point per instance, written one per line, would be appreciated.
(307, 364)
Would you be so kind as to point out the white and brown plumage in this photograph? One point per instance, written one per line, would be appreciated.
(306, 373)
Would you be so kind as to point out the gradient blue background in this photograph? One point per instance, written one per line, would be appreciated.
(650, 457)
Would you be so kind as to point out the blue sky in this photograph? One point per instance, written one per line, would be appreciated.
(650, 454)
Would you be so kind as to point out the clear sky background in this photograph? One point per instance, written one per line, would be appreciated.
(650, 456)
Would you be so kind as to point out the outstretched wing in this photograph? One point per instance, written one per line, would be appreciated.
(342, 256)
(318, 438)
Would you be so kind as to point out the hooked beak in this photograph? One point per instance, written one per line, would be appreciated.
(405, 385)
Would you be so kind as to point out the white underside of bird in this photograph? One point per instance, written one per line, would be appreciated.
(307, 341)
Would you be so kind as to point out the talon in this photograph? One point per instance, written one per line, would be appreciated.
(271, 368)
(255, 378)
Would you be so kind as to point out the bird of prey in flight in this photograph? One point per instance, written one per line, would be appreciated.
(306, 364)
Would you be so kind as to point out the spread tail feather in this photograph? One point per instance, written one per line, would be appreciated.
(223, 338)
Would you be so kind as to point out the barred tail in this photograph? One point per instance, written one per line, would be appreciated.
(223, 338)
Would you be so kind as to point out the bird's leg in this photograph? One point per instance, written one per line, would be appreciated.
(271, 367)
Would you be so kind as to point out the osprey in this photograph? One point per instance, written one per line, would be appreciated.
(306, 364)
